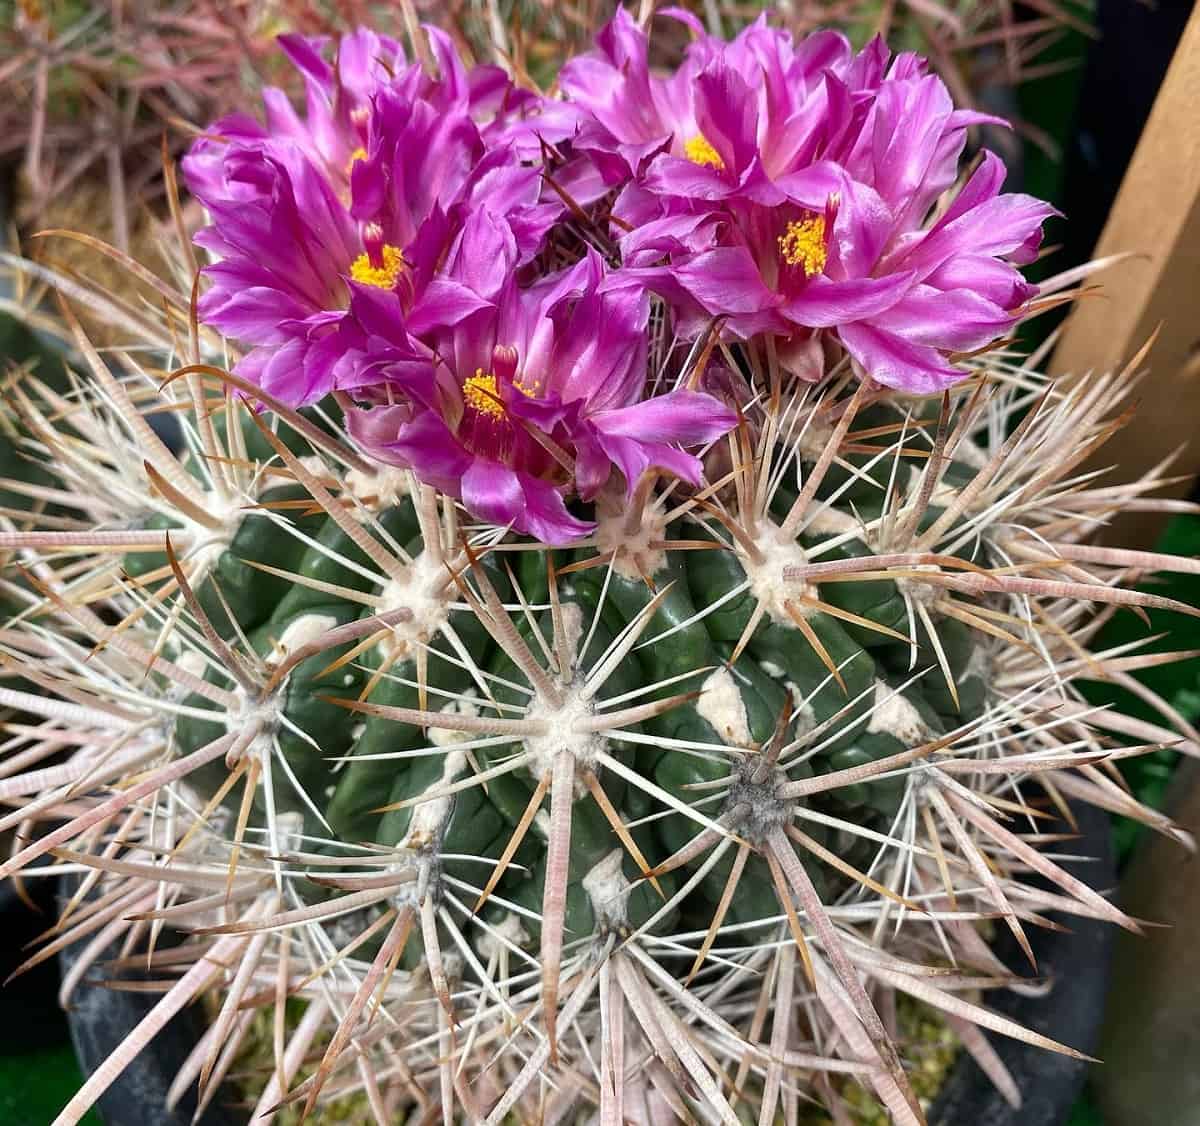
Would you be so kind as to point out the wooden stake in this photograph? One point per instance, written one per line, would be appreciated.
(1157, 216)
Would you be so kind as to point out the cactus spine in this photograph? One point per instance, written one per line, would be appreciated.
(656, 826)
(663, 820)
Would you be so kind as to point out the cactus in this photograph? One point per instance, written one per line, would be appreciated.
(646, 808)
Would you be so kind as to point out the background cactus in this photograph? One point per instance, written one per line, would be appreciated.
(655, 824)
(94, 85)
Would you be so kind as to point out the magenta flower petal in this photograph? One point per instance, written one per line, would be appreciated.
(812, 186)
(980, 220)
(726, 281)
(984, 184)
(493, 492)
(633, 458)
(420, 441)
(292, 372)
(259, 313)
(379, 313)
(647, 435)
(676, 176)
(896, 362)
(484, 255)
(669, 235)
(860, 233)
(902, 138)
(443, 304)
(503, 496)
(613, 83)
(305, 55)
(726, 117)
(990, 278)
(687, 418)
(959, 319)
(826, 304)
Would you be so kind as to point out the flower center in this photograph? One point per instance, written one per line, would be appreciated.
(803, 244)
(358, 154)
(700, 151)
(383, 272)
(482, 394)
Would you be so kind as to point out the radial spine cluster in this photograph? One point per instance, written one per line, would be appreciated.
(566, 671)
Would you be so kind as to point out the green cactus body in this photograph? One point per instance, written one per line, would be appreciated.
(735, 757)
(366, 774)
(670, 821)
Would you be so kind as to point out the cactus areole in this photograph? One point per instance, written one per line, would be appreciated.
(615, 624)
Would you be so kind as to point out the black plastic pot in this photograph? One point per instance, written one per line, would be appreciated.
(30, 1018)
(100, 1019)
(1076, 961)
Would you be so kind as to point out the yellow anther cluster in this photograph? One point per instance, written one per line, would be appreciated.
(481, 393)
(700, 151)
(383, 277)
(803, 244)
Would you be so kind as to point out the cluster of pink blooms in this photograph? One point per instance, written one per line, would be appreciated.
(391, 244)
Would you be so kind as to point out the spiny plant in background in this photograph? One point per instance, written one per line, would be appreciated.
(94, 85)
(614, 623)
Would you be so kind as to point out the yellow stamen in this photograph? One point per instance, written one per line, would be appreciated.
(700, 151)
(803, 244)
(383, 277)
(481, 393)
(358, 154)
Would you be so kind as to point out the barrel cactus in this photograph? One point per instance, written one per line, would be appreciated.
(613, 620)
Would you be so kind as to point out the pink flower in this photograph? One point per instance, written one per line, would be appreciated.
(535, 397)
(787, 188)
(306, 212)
